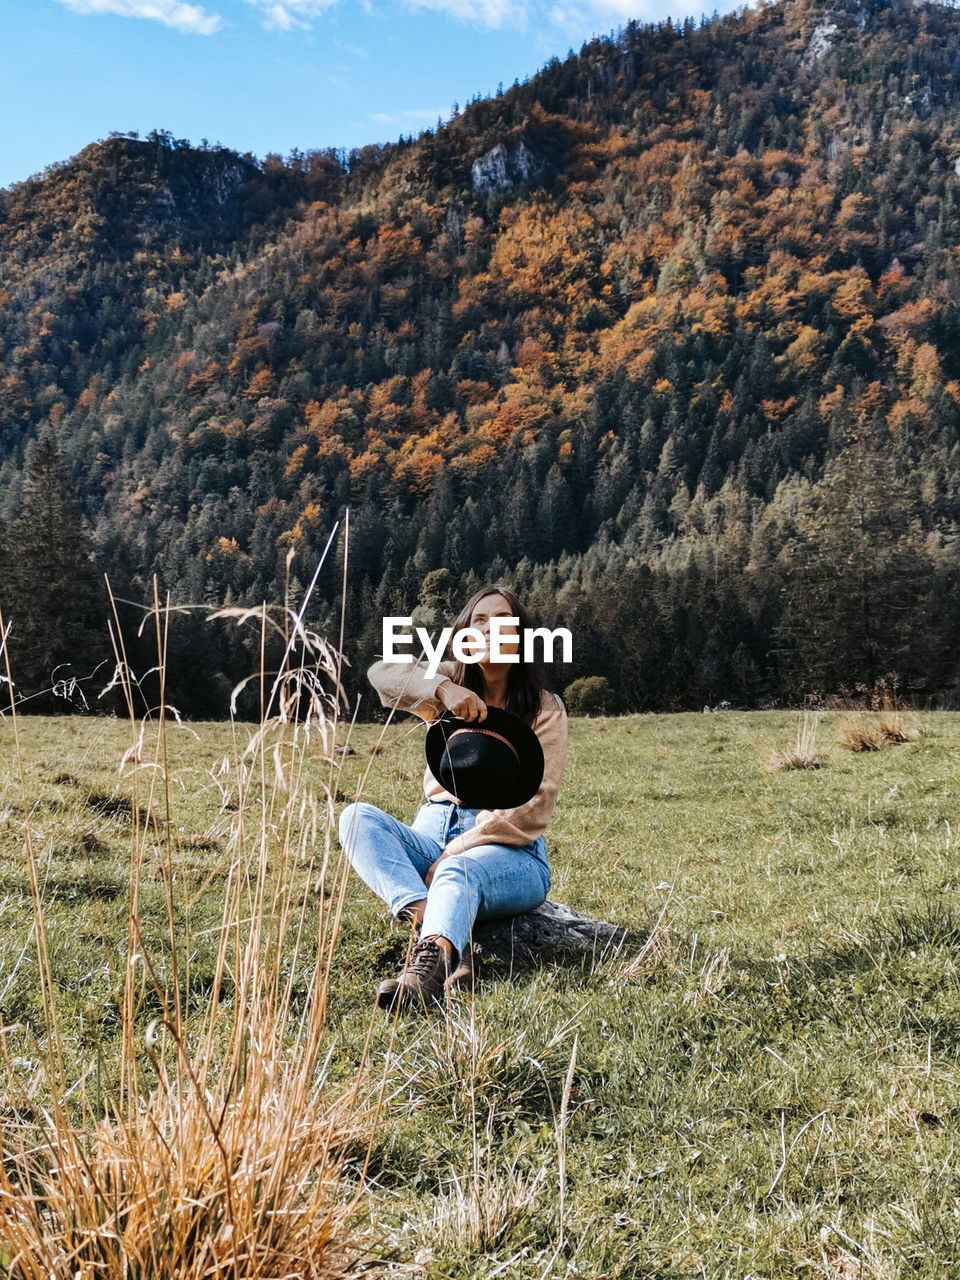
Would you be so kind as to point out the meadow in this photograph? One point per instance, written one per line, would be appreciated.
(762, 1082)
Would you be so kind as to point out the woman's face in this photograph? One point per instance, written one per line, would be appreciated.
(495, 606)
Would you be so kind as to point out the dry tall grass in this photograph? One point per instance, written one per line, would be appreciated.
(803, 753)
(478, 1208)
(659, 950)
(220, 1151)
(872, 731)
(873, 719)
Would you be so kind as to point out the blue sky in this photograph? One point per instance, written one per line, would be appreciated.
(271, 75)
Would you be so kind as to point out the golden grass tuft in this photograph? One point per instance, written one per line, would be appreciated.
(187, 1185)
(659, 951)
(220, 1151)
(711, 978)
(874, 730)
(477, 1210)
(802, 754)
(860, 731)
(873, 718)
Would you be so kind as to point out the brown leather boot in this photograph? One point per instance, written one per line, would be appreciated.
(387, 990)
(463, 978)
(425, 973)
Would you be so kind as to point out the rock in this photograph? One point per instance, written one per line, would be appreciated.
(920, 102)
(502, 167)
(820, 43)
(550, 928)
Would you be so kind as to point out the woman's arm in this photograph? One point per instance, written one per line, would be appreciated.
(406, 686)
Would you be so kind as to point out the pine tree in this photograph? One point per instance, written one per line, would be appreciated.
(435, 606)
(4, 558)
(855, 580)
(56, 604)
(4, 597)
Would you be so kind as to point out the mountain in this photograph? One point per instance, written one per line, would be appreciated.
(667, 336)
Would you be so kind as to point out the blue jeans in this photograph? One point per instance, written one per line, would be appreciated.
(487, 882)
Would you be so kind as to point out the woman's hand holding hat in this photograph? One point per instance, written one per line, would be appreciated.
(497, 766)
(461, 702)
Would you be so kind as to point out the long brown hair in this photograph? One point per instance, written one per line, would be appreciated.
(526, 681)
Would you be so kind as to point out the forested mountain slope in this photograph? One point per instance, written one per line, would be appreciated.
(666, 336)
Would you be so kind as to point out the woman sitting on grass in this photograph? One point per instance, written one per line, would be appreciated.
(455, 865)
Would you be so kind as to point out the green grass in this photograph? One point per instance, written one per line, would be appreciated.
(775, 1091)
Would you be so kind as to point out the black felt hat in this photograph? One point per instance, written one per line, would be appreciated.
(496, 763)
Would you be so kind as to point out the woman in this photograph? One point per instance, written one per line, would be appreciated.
(455, 865)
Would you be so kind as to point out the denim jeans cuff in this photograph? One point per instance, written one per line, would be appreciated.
(398, 907)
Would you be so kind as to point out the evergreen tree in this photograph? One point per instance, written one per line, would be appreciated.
(4, 594)
(855, 580)
(4, 560)
(57, 606)
(435, 604)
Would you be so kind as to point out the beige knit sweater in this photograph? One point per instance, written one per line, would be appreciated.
(407, 687)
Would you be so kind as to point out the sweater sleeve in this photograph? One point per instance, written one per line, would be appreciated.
(405, 686)
(527, 822)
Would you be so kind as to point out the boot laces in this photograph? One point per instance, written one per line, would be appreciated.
(424, 956)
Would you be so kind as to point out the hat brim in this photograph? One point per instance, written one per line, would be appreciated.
(526, 744)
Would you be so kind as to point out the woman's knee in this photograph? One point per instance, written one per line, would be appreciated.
(453, 868)
(457, 875)
(506, 893)
(353, 816)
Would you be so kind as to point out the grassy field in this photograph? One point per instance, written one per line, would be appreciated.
(763, 1082)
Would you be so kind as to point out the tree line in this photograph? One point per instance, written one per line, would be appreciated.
(829, 586)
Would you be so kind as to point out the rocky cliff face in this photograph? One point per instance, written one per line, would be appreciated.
(125, 192)
(835, 26)
(183, 200)
(821, 42)
(174, 191)
(502, 167)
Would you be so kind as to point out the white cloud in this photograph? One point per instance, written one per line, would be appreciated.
(413, 115)
(573, 17)
(284, 15)
(627, 9)
(172, 13)
(482, 13)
